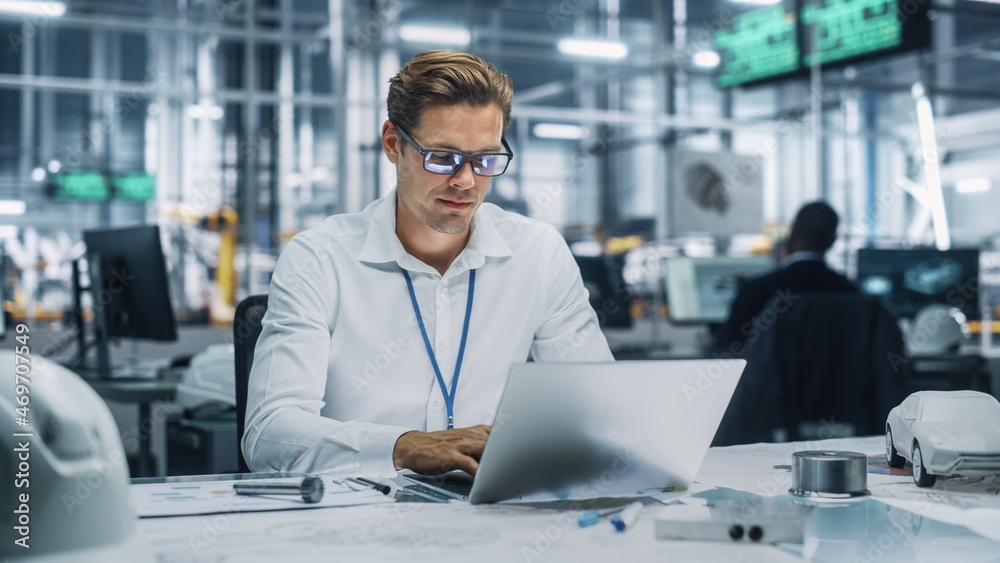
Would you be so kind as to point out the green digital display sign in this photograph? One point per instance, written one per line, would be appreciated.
(134, 187)
(850, 28)
(778, 41)
(91, 185)
(80, 185)
(759, 44)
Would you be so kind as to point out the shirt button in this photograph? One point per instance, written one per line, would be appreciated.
(440, 343)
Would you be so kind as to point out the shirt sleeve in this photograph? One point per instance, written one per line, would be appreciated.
(570, 331)
(284, 428)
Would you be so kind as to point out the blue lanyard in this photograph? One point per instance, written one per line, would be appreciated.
(449, 398)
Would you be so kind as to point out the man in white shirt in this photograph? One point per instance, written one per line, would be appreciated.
(390, 333)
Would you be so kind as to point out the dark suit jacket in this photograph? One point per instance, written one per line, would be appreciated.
(804, 276)
(831, 358)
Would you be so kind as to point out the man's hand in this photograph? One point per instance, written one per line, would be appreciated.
(432, 453)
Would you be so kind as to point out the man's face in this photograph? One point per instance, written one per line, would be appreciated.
(444, 203)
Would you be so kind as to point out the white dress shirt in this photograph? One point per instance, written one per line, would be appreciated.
(341, 370)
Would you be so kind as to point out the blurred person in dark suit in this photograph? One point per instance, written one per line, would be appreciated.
(803, 270)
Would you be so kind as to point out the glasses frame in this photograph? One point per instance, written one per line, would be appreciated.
(425, 153)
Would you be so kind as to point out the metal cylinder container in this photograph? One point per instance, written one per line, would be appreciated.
(829, 474)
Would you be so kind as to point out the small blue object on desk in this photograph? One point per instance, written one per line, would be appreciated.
(627, 516)
(590, 517)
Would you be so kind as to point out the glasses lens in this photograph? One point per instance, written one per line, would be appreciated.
(490, 164)
(439, 162)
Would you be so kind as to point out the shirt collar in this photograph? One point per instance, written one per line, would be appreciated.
(802, 256)
(382, 245)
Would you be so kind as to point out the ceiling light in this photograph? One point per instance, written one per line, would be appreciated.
(26, 7)
(559, 131)
(12, 207)
(603, 49)
(38, 174)
(55, 166)
(706, 59)
(435, 34)
(972, 186)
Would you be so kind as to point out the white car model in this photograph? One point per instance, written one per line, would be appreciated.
(944, 433)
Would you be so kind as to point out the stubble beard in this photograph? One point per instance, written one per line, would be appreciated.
(450, 223)
(447, 224)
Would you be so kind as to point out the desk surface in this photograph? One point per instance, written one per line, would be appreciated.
(896, 526)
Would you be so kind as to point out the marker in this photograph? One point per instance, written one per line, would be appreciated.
(380, 487)
(627, 516)
(590, 517)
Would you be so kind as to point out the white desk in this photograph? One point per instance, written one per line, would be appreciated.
(461, 532)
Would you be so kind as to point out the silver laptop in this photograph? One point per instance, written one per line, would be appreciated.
(588, 430)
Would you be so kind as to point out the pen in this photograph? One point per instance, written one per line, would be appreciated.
(380, 487)
(627, 516)
(311, 489)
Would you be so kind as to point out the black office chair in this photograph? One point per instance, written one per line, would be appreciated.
(824, 366)
(246, 330)
(949, 372)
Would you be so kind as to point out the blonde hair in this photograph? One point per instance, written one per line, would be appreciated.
(446, 77)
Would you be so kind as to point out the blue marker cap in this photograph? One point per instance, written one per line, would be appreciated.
(588, 518)
(627, 516)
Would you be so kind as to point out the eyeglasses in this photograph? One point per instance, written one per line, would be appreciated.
(448, 162)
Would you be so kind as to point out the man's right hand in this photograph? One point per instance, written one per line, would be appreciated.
(432, 453)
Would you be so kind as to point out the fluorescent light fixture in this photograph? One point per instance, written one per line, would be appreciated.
(29, 8)
(12, 207)
(602, 49)
(435, 34)
(38, 174)
(706, 59)
(972, 186)
(54, 166)
(932, 171)
(212, 112)
(559, 131)
(318, 174)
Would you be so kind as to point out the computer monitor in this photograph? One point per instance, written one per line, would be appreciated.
(908, 280)
(609, 296)
(128, 283)
(700, 290)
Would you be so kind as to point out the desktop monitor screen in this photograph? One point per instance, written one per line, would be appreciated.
(700, 290)
(609, 296)
(129, 283)
(908, 280)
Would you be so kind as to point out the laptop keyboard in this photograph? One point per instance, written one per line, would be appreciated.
(458, 484)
